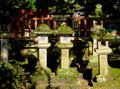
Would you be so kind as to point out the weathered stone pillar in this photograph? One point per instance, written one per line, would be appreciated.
(4, 49)
(64, 58)
(94, 57)
(65, 45)
(103, 51)
(42, 46)
(94, 46)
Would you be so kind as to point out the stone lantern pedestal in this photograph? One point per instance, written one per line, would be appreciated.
(65, 45)
(66, 72)
(102, 51)
(42, 47)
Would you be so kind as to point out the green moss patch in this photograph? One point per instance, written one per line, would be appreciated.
(100, 33)
(63, 29)
(43, 29)
(67, 73)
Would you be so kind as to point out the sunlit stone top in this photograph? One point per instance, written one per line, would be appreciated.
(63, 29)
(43, 29)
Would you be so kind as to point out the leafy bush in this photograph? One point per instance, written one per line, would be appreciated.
(8, 77)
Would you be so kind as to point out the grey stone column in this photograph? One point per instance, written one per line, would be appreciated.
(103, 65)
(42, 46)
(103, 51)
(65, 58)
(43, 55)
(4, 49)
(65, 45)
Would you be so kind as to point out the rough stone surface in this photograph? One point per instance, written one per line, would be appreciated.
(58, 83)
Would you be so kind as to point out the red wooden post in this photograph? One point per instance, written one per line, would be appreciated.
(79, 23)
(48, 18)
(42, 19)
(30, 14)
(35, 21)
(54, 24)
(85, 25)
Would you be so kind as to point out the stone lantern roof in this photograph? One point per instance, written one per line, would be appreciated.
(43, 29)
(100, 33)
(5, 34)
(63, 29)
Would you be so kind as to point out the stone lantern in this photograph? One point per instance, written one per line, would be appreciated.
(42, 32)
(65, 44)
(103, 50)
(65, 72)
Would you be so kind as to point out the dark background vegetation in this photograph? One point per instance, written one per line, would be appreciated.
(110, 8)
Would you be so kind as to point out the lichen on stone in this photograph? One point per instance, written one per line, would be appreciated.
(43, 29)
(63, 29)
(100, 33)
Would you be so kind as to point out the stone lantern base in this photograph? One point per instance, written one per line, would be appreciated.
(101, 78)
(65, 79)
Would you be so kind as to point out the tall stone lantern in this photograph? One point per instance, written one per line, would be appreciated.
(65, 44)
(103, 51)
(42, 32)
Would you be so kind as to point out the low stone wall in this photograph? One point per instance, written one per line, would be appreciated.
(55, 83)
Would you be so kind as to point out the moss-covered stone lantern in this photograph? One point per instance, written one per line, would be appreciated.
(101, 49)
(40, 77)
(101, 34)
(65, 32)
(65, 44)
(42, 32)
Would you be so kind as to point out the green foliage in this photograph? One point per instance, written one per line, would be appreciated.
(8, 76)
(12, 74)
(60, 6)
(98, 13)
(31, 4)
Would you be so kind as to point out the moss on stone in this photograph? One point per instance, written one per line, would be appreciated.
(100, 33)
(64, 45)
(41, 73)
(43, 29)
(67, 73)
(63, 29)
